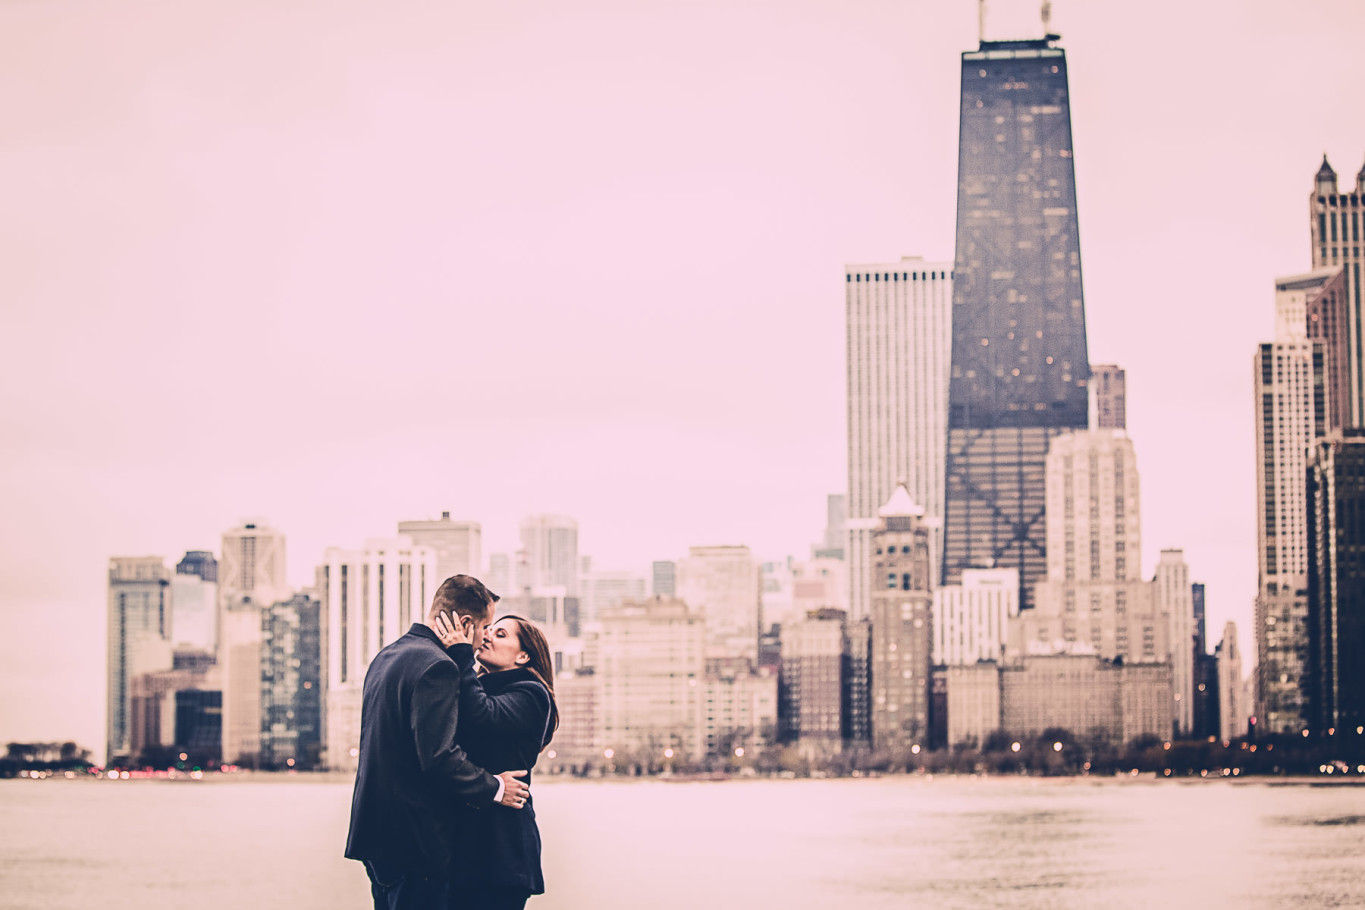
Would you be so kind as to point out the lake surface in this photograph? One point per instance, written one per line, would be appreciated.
(276, 842)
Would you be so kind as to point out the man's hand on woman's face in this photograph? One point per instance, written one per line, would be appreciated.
(452, 633)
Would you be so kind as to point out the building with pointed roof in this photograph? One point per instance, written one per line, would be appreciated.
(1336, 223)
(902, 625)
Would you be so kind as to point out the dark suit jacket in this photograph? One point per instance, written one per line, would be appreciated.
(413, 778)
(503, 717)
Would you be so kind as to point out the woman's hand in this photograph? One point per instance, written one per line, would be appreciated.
(450, 633)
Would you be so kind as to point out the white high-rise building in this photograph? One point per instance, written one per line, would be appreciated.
(458, 544)
(1232, 711)
(899, 337)
(140, 638)
(724, 585)
(1093, 600)
(370, 598)
(550, 545)
(251, 577)
(1175, 600)
(1292, 404)
(970, 620)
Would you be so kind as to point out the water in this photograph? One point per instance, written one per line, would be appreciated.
(275, 842)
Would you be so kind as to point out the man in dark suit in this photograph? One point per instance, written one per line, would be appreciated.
(414, 782)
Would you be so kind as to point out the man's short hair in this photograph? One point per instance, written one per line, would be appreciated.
(463, 595)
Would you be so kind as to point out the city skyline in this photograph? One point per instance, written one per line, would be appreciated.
(162, 336)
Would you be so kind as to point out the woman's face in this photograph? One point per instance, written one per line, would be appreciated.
(501, 649)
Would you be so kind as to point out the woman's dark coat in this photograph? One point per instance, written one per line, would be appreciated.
(503, 721)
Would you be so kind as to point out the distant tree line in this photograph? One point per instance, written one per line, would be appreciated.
(67, 756)
(1054, 752)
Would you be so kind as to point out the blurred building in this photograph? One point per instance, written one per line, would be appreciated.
(251, 576)
(777, 583)
(199, 563)
(458, 545)
(1206, 705)
(177, 710)
(858, 713)
(817, 583)
(1336, 582)
(898, 327)
(1019, 359)
(1291, 411)
(902, 633)
(836, 528)
(1108, 397)
(650, 675)
(139, 639)
(291, 684)
(369, 597)
(498, 578)
(600, 589)
(1093, 600)
(1312, 307)
(1175, 601)
(1335, 224)
(970, 619)
(814, 682)
(1088, 696)
(740, 707)
(664, 578)
(973, 702)
(1232, 709)
(578, 739)
(552, 609)
(194, 604)
(722, 584)
(550, 547)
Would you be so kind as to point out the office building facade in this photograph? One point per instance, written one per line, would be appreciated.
(1020, 366)
(139, 639)
(1336, 583)
(898, 322)
(1291, 401)
(723, 584)
(458, 545)
(371, 597)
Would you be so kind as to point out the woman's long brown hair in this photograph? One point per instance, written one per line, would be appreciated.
(533, 642)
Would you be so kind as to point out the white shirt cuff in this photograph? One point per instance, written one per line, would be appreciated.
(502, 788)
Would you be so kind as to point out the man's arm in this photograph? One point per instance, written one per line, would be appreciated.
(435, 714)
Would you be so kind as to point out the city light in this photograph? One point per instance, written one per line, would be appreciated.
(1014, 747)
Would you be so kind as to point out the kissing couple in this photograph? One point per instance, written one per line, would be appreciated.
(442, 814)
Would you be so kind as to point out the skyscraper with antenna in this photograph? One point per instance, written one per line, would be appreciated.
(1019, 366)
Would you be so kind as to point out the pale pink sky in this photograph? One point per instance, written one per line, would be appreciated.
(343, 264)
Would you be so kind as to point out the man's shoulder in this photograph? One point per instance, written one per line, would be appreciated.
(410, 653)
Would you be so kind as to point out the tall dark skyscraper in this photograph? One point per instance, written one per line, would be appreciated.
(1019, 362)
(1334, 681)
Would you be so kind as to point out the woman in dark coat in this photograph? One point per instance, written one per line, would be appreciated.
(507, 716)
